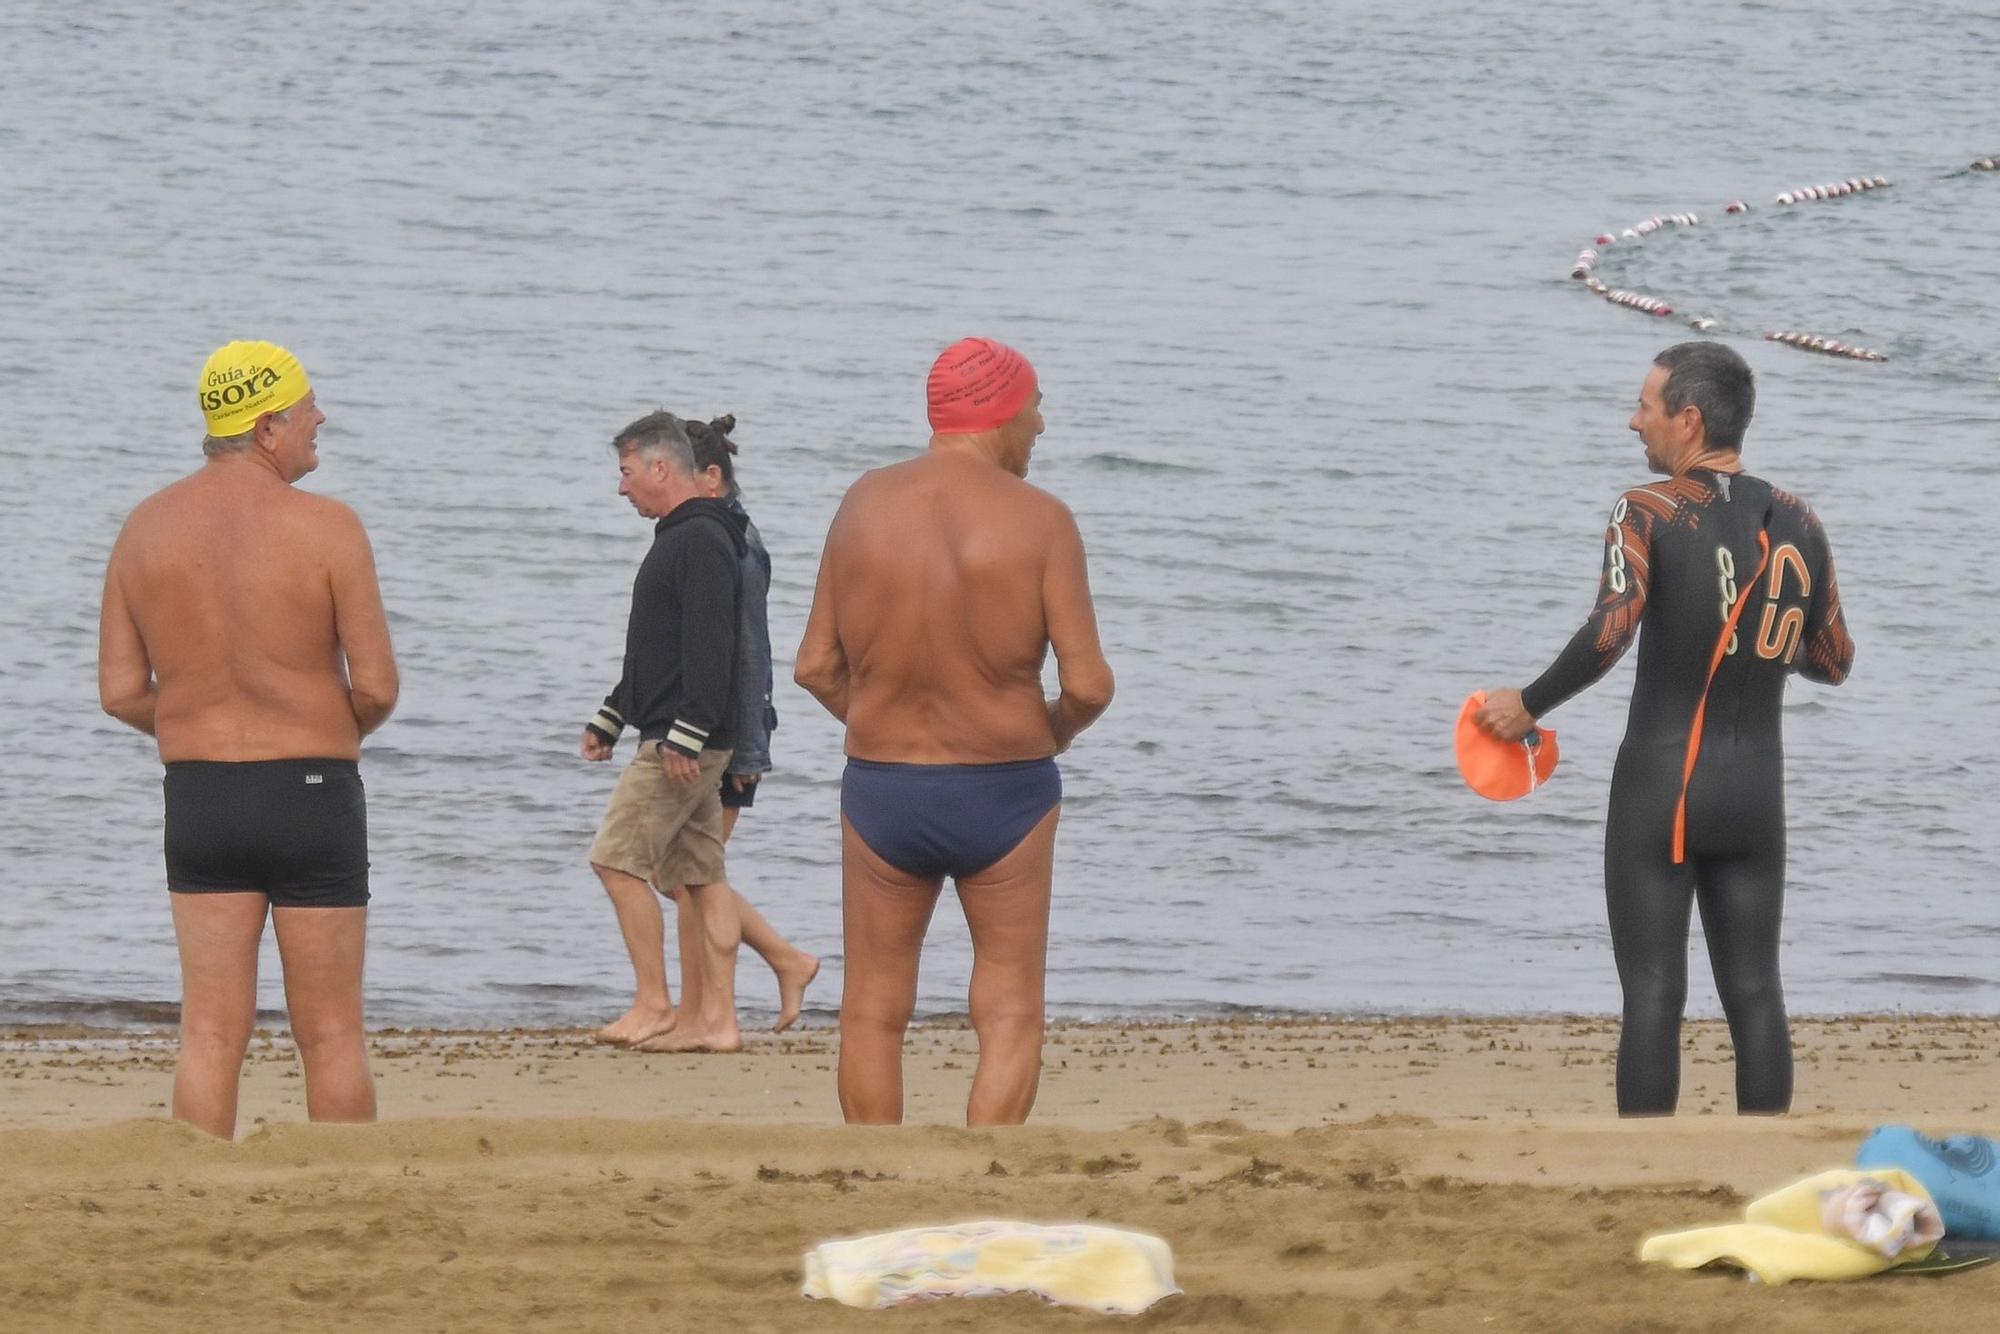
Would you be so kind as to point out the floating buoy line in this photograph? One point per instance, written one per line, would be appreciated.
(1814, 343)
(1584, 268)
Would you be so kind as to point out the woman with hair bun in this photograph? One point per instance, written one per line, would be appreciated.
(756, 718)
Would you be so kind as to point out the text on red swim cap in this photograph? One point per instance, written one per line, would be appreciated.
(977, 384)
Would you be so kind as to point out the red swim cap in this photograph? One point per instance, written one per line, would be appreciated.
(977, 384)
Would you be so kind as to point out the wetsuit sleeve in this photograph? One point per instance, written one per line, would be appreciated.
(1829, 651)
(708, 634)
(1614, 621)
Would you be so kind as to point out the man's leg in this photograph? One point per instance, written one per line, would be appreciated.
(1007, 908)
(1649, 907)
(1649, 900)
(687, 940)
(884, 914)
(217, 935)
(645, 932)
(717, 933)
(321, 950)
(721, 933)
(1742, 913)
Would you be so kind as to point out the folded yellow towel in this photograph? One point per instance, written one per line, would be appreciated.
(1837, 1225)
(1104, 1269)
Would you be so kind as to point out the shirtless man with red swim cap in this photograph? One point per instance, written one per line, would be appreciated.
(945, 581)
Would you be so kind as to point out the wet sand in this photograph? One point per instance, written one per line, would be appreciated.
(1418, 1175)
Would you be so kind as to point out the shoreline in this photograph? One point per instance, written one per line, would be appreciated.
(1274, 1073)
(829, 1021)
(1427, 1175)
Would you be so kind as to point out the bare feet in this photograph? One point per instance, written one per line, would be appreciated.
(793, 979)
(641, 1023)
(690, 1039)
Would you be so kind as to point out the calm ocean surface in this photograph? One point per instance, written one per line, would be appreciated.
(1340, 432)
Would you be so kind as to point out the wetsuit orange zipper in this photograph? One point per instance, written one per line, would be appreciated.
(1700, 709)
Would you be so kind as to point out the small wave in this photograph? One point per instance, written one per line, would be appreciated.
(1113, 462)
(1927, 981)
(546, 990)
(119, 1014)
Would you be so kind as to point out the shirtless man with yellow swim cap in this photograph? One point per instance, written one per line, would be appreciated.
(946, 580)
(243, 628)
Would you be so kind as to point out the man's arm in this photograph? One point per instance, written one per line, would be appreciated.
(822, 666)
(360, 623)
(601, 733)
(125, 685)
(1829, 651)
(1597, 645)
(1084, 677)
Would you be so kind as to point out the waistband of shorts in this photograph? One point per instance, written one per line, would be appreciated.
(288, 765)
(899, 767)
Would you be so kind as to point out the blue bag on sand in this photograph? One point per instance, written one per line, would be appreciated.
(1962, 1173)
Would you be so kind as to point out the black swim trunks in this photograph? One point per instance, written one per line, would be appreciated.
(738, 799)
(295, 830)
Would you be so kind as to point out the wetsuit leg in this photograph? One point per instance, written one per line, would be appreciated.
(1742, 909)
(1736, 818)
(1649, 901)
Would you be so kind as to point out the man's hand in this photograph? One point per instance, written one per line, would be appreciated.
(680, 768)
(737, 782)
(1056, 726)
(595, 747)
(1503, 716)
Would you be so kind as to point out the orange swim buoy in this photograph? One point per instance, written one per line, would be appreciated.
(1502, 770)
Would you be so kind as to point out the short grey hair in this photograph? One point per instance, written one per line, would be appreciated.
(1716, 379)
(658, 435)
(213, 445)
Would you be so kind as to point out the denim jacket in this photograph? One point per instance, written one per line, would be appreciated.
(756, 718)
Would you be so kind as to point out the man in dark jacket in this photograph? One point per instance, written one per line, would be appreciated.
(664, 825)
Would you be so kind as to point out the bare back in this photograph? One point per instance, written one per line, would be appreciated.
(944, 582)
(249, 602)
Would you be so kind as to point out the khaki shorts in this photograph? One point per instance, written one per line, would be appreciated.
(659, 830)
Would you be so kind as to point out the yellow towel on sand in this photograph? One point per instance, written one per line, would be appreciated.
(1104, 1269)
(1840, 1224)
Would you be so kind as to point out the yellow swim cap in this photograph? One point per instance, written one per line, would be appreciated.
(242, 381)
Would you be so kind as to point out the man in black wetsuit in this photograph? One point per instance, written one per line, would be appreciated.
(1733, 581)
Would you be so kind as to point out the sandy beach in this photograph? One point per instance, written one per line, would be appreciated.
(1396, 1175)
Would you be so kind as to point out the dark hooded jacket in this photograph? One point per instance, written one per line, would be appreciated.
(682, 640)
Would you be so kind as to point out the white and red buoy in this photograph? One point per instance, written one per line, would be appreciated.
(1835, 190)
(1638, 301)
(1585, 265)
(1833, 347)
